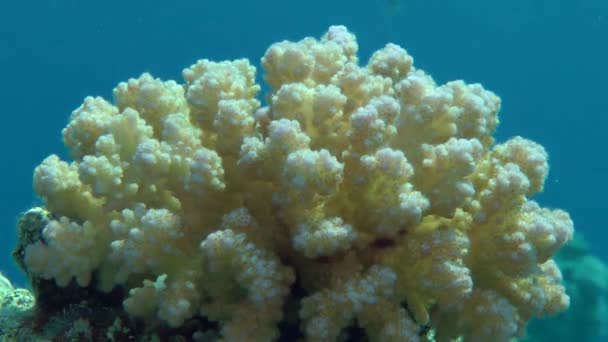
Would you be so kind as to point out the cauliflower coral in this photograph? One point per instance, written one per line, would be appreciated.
(376, 192)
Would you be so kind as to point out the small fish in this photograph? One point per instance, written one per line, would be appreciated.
(393, 7)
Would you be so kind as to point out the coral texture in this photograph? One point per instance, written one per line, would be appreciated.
(586, 281)
(379, 193)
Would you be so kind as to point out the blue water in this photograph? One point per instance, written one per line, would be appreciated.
(548, 60)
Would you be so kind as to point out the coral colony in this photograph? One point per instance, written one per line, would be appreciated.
(360, 197)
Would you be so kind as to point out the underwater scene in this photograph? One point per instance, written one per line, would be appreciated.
(382, 170)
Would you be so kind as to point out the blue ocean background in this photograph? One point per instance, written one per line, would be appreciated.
(548, 60)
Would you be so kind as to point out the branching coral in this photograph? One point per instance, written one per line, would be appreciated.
(379, 193)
